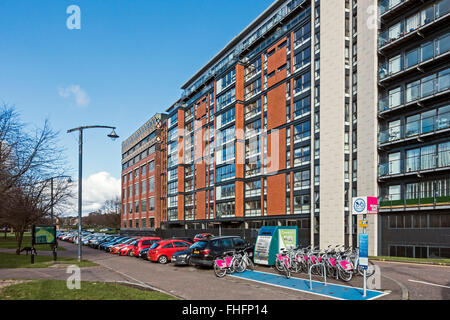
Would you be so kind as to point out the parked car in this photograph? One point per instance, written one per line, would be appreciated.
(143, 253)
(202, 236)
(127, 250)
(162, 251)
(204, 252)
(115, 248)
(143, 243)
(182, 258)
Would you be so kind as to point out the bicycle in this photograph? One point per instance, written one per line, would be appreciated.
(225, 266)
(243, 262)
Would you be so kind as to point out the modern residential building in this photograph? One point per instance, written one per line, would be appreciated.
(142, 176)
(414, 128)
(313, 103)
(262, 134)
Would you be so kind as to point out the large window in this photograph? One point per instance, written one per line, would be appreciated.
(302, 131)
(225, 172)
(225, 191)
(301, 180)
(225, 209)
(225, 81)
(253, 88)
(303, 82)
(302, 34)
(302, 58)
(225, 99)
(302, 107)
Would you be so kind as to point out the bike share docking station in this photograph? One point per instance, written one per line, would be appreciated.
(267, 245)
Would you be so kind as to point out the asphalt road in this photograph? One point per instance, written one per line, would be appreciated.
(192, 283)
(423, 282)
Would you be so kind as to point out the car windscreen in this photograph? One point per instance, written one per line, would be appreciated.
(199, 245)
(134, 242)
(155, 245)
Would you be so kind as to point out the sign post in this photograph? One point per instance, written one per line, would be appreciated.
(363, 206)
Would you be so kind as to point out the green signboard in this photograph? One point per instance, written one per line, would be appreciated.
(44, 235)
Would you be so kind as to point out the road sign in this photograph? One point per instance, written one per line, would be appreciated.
(363, 250)
(365, 205)
(363, 223)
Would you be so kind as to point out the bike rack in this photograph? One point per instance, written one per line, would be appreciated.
(310, 275)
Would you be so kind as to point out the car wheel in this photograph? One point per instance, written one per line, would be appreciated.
(162, 259)
(188, 261)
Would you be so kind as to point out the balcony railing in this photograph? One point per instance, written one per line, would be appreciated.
(424, 19)
(417, 90)
(422, 59)
(416, 163)
(395, 201)
(386, 5)
(424, 126)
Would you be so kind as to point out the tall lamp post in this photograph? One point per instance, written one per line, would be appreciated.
(113, 136)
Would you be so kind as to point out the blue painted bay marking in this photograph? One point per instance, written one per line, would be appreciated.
(331, 290)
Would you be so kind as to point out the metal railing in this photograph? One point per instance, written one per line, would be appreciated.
(419, 90)
(416, 163)
(412, 199)
(415, 128)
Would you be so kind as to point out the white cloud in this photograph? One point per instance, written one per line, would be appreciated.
(81, 97)
(97, 188)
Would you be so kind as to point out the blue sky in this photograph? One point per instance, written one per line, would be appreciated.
(127, 62)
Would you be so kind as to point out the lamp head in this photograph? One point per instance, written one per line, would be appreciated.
(113, 135)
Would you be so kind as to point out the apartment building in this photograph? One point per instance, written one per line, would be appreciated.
(263, 133)
(414, 128)
(143, 177)
(313, 103)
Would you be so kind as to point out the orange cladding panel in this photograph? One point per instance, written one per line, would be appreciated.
(276, 195)
(276, 107)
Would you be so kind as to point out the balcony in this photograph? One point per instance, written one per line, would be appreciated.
(387, 76)
(417, 164)
(415, 93)
(389, 8)
(393, 40)
(396, 202)
(415, 130)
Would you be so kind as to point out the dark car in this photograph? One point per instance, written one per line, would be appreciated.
(204, 252)
(182, 258)
(143, 253)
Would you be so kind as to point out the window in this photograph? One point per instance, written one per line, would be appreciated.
(151, 166)
(225, 191)
(151, 184)
(427, 51)
(225, 209)
(303, 82)
(225, 172)
(394, 192)
(302, 204)
(301, 179)
(302, 131)
(227, 117)
(302, 107)
(303, 34)
(143, 187)
(225, 81)
(395, 64)
(302, 58)
(302, 155)
(225, 99)
(226, 243)
(168, 246)
(412, 58)
(394, 163)
(253, 89)
(151, 204)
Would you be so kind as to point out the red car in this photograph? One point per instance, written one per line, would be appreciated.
(202, 236)
(127, 250)
(115, 249)
(162, 251)
(144, 243)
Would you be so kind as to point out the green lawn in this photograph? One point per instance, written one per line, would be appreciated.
(12, 260)
(57, 290)
(11, 243)
(413, 260)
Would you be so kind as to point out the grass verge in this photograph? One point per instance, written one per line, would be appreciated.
(444, 262)
(57, 290)
(12, 260)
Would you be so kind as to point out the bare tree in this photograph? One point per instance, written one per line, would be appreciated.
(28, 158)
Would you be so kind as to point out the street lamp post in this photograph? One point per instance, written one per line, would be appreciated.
(113, 136)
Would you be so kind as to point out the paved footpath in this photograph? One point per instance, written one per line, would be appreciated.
(185, 282)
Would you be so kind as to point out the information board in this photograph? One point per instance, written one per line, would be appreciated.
(44, 235)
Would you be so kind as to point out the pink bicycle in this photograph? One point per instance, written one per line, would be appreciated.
(284, 263)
